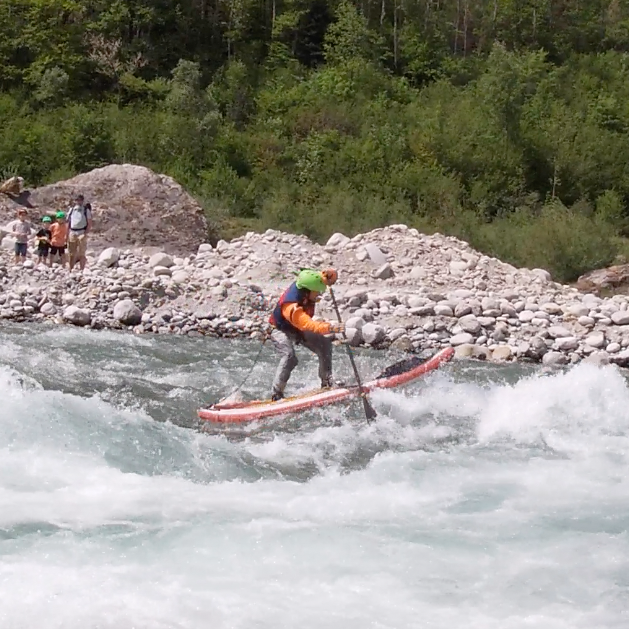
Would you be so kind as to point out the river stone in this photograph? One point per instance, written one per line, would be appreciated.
(443, 310)
(554, 358)
(160, 259)
(180, 277)
(526, 316)
(337, 240)
(77, 316)
(127, 312)
(597, 339)
(597, 358)
(384, 272)
(48, 309)
(566, 343)
(375, 255)
(355, 322)
(108, 257)
(464, 351)
(204, 248)
(621, 317)
(470, 324)
(462, 309)
(558, 331)
(402, 344)
(613, 348)
(577, 310)
(551, 308)
(373, 333)
(481, 353)
(162, 270)
(461, 339)
(354, 336)
(543, 274)
(587, 322)
(501, 353)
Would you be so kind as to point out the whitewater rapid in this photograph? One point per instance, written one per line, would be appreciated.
(482, 497)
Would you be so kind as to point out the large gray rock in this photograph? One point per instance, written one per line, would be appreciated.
(160, 259)
(554, 358)
(621, 317)
(461, 339)
(354, 336)
(108, 257)
(373, 333)
(470, 324)
(337, 240)
(77, 316)
(384, 272)
(566, 343)
(375, 255)
(558, 331)
(355, 322)
(127, 312)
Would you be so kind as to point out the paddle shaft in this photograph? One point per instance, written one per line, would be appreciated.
(370, 412)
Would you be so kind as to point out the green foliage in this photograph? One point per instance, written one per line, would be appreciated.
(506, 123)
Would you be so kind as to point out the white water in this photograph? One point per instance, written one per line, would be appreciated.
(482, 498)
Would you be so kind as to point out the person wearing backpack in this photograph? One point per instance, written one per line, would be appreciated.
(79, 218)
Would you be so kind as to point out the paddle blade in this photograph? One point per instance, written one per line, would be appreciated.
(370, 411)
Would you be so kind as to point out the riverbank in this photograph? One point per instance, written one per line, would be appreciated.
(396, 287)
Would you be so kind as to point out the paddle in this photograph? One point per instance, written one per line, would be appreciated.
(370, 412)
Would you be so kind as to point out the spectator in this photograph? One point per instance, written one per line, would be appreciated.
(21, 230)
(59, 238)
(43, 241)
(80, 221)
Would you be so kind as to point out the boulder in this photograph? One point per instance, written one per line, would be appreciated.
(373, 333)
(554, 358)
(566, 343)
(375, 255)
(558, 331)
(621, 317)
(461, 339)
(354, 336)
(160, 259)
(108, 257)
(77, 316)
(180, 277)
(384, 272)
(464, 351)
(613, 277)
(162, 270)
(337, 240)
(355, 322)
(501, 353)
(470, 324)
(127, 312)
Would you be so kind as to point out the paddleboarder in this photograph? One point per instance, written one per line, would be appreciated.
(294, 325)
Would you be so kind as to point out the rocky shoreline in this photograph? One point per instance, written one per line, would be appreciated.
(397, 288)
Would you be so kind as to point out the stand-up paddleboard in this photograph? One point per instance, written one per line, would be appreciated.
(394, 376)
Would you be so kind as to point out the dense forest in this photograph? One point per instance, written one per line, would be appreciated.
(505, 122)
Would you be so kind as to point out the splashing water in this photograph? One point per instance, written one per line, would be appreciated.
(481, 498)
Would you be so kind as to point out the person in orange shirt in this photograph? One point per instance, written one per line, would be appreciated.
(294, 325)
(59, 238)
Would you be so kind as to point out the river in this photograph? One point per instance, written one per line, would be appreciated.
(483, 497)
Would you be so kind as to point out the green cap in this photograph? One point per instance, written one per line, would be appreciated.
(46, 219)
(60, 215)
(311, 280)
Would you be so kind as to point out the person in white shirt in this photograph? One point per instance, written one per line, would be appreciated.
(20, 229)
(79, 218)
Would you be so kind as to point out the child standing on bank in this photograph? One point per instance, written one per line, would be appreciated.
(21, 230)
(43, 237)
(59, 238)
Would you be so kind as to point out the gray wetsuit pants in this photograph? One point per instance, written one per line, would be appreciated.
(285, 343)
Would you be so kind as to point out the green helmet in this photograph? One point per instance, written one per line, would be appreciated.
(311, 280)
(46, 219)
(60, 215)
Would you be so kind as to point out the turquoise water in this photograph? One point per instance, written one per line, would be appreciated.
(482, 497)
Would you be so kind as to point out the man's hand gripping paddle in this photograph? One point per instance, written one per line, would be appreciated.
(370, 412)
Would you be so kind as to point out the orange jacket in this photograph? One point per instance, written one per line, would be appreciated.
(300, 319)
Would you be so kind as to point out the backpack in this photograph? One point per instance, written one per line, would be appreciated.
(83, 210)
